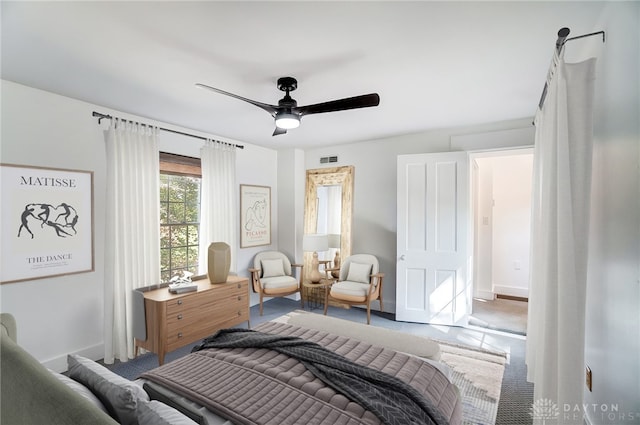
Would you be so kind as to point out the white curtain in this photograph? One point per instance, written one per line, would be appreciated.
(218, 212)
(132, 246)
(560, 229)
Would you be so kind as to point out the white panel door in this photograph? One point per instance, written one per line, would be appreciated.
(433, 280)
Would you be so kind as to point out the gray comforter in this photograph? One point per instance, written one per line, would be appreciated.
(252, 385)
(392, 400)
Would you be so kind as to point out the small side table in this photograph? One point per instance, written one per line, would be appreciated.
(316, 292)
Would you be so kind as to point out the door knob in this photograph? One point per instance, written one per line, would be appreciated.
(402, 257)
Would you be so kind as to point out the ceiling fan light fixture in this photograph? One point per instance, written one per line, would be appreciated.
(287, 120)
(287, 113)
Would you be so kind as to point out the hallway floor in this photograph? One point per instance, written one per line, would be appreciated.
(500, 314)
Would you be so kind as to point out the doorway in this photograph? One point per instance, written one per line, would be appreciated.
(501, 202)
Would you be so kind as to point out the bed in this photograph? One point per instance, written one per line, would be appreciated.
(249, 385)
(281, 390)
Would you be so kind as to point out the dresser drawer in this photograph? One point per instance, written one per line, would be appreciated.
(190, 301)
(211, 310)
(195, 300)
(193, 332)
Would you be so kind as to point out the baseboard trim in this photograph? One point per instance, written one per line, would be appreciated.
(511, 297)
(513, 291)
(59, 364)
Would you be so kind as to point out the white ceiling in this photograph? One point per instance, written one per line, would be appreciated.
(434, 64)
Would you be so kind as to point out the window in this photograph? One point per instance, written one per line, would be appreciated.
(180, 182)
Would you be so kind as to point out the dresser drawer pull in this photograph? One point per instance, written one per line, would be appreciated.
(179, 316)
(179, 334)
(239, 297)
(179, 302)
(239, 313)
(239, 285)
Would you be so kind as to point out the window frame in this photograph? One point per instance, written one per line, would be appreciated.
(178, 165)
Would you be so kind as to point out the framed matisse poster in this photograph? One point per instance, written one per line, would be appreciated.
(47, 222)
(255, 215)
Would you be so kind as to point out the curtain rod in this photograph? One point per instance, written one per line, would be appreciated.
(560, 42)
(108, 117)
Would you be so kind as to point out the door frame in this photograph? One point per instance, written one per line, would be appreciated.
(473, 220)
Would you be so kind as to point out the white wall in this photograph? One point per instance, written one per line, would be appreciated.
(256, 165)
(375, 184)
(62, 315)
(511, 224)
(291, 187)
(613, 287)
(291, 181)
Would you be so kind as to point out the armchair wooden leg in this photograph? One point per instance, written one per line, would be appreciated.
(260, 303)
(369, 313)
(326, 300)
(380, 295)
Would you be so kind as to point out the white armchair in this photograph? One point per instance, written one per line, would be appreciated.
(360, 282)
(272, 276)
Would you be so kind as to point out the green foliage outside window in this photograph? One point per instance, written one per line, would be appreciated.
(179, 224)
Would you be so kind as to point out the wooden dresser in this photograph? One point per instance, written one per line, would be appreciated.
(175, 320)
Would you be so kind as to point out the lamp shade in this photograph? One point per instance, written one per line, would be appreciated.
(315, 242)
(334, 240)
(287, 120)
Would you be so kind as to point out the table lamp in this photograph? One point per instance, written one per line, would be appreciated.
(313, 243)
(334, 242)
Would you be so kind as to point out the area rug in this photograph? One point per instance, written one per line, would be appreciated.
(478, 375)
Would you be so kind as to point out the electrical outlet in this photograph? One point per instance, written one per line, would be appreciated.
(589, 379)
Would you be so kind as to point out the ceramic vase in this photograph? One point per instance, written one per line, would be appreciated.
(219, 262)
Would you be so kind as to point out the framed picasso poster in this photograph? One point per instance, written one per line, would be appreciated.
(255, 215)
(47, 222)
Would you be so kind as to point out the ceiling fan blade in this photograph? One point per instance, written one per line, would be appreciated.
(279, 131)
(363, 101)
(272, 109)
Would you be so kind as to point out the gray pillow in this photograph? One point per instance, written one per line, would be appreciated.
(80, 389)
(157, 413)
(119, 395)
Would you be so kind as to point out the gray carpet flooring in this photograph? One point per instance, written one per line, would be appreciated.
(516, 394)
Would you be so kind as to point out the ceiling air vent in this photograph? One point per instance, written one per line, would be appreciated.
(328, 159)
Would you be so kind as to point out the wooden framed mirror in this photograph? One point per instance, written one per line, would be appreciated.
(325, 189)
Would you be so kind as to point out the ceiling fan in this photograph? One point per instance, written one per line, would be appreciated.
(287, 113)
